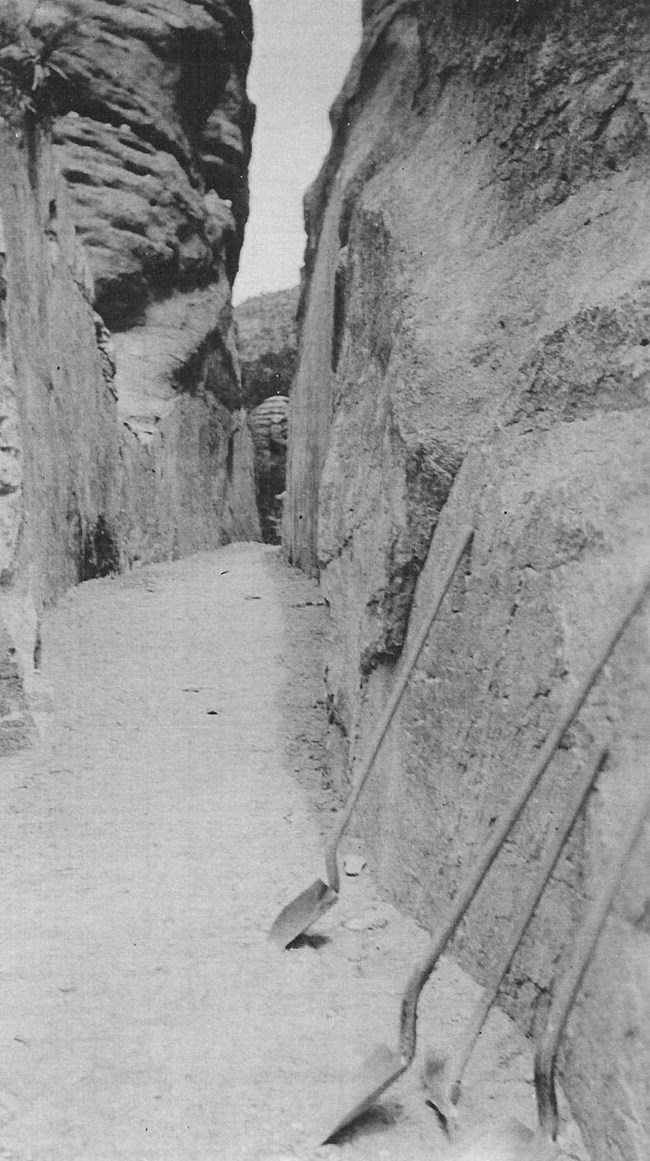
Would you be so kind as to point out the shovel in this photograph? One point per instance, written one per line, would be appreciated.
(443, 1076)
(383, 1067)
(307, 907)
(503, 1142)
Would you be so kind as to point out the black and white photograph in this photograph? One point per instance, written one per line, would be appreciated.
(325, 580)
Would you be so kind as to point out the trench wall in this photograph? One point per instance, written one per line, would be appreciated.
(125, 136)
(475, 348)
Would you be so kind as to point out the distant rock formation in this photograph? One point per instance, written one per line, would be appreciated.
(268, 344)
(269, 425)
(475, 348)
(267, 341)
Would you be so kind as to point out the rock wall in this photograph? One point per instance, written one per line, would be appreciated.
(476, 349)
(124, 141)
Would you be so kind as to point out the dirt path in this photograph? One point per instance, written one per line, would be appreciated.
(148, 843)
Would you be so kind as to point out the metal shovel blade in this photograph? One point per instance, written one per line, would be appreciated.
(301, 912)
(439, 1078)
(377, 1073)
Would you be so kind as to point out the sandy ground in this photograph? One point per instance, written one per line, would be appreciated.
(147, 844)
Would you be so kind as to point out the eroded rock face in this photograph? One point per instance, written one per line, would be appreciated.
(124, 434)
(147, 230)
(152, 133)
(475, 350)
(152, 116)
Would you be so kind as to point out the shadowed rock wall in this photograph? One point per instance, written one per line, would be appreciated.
(475, 349)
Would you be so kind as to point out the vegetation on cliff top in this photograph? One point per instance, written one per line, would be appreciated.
(27, 67)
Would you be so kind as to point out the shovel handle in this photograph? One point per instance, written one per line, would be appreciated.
(469, 888)
(550, 855)
(569, 984)
(410, 661)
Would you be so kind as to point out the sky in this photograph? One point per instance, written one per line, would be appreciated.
(302, 50)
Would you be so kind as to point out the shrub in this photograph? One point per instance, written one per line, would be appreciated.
(26, 65)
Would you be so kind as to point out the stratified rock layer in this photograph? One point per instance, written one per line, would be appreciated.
(152, 116)
(152, 133)
(475, 349)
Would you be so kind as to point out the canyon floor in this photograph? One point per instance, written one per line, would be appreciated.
(175, 801)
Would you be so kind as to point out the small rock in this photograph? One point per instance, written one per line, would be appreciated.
(353, 865)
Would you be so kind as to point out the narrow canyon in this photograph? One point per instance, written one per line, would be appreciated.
(469, 347)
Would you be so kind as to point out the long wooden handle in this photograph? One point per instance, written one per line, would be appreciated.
(422, 970)
(569, 984)
(550, 855)
(462, 543)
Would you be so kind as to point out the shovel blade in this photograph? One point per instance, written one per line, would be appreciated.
(378, 1072)
(301, 912)
(439, 1095)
